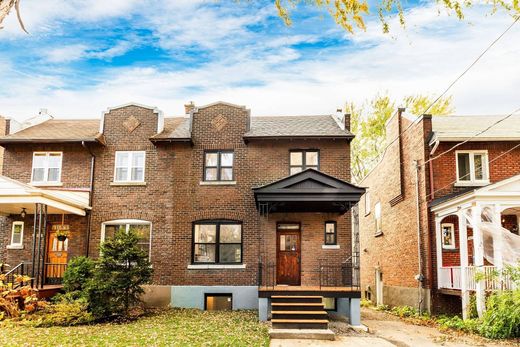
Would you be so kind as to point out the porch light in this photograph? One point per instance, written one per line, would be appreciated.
(23, 213)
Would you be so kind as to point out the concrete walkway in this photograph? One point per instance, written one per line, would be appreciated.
(387, 330)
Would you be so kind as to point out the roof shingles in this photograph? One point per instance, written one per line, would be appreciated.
(296, 126)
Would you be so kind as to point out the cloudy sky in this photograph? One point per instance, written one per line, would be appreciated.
(83, 56)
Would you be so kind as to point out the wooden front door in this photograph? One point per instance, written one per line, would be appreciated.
(288, 254)
(56, 260)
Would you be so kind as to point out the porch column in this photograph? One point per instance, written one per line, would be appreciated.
(499, 240)
(438, 246)
(263, 309)
(463, 249)
(476, 219)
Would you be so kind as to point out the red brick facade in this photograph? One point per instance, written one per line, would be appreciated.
(395, 251)
(174, 196)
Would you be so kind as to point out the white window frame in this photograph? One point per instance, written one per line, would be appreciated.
(46, 167)
(19, 245)
(452, 230)
(129, 167)
(378, 214)
(485, 168)
(367, 203)
(128, 222)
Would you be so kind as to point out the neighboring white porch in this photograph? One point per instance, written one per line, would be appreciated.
(488, 204)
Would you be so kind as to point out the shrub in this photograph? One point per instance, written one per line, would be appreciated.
(366, 303)
(78, 273)
(16, 298)
(383, 307)
(404, 311)
(502, 317)
(119, 275)
(65, 312)
(457, 323)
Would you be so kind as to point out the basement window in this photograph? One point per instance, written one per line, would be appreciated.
(329, 304)
(218, 302)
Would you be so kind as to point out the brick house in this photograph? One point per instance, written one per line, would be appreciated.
(232, 209)
(412, 231)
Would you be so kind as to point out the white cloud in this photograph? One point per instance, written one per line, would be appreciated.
(266, 72)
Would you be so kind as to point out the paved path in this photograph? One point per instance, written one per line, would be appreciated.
(387, 330)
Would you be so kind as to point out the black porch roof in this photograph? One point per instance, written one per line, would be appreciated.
(307, 191)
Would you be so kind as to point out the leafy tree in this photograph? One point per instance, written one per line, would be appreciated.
(121, 271)
(351, 13)
(368, 123)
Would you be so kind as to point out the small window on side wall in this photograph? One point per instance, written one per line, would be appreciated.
(378, 219)
(367, 203)
(331, 235)
(448, 235)
(218, 302)
(17, 234)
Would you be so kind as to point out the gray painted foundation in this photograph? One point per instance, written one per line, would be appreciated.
(244, 297)
(406, 296)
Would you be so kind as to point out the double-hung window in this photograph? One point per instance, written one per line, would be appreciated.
(331, 234)
(300, 160)
(472, 167)
(46, 167)
(17, 235)
(217, 242)
(142, 229)
(218, 166)
(129, 166)
(378, 219)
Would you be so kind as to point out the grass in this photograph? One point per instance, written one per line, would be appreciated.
(174, 327)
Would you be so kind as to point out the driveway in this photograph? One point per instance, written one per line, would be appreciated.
(386, 330)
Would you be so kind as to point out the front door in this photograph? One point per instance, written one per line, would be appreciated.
(56, 260)
(288, 254)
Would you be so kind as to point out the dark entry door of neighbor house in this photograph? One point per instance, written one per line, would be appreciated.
(288, 254)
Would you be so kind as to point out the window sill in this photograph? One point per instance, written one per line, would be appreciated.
(367, 214)
(330, 247)
(115, 184)
(450, 249)
(14, 247)
(471, 184)
(218, 183)
(215, 266)
(46, 184)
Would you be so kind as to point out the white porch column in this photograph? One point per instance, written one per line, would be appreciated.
(438, 246)
(476, 218)
(498, 241)
(463, 249)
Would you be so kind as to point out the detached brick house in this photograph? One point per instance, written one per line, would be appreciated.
(412, 231)
(232, 209)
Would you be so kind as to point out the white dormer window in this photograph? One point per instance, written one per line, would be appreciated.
(129, 166)
(472, 167)
(46, 168)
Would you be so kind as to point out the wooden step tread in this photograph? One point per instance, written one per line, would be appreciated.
(296, 297)
(296, 304)
(317, 321)
(299, 312)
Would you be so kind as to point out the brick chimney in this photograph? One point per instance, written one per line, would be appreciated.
(189, 107)
(346, 121)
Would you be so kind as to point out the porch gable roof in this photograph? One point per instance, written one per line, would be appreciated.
(308, 191)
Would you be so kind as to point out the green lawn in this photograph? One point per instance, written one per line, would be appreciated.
(175, 327)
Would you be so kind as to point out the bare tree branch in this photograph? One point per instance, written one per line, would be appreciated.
(5, 8)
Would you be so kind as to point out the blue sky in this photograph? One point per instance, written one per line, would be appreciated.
(84, 56)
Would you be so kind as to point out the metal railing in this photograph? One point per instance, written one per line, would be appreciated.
(19, 270)
(266, 274)
(53, 273)
(450, 278)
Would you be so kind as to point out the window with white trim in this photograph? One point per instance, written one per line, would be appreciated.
(143, 230)
(17, 234)
(129, 166)
(46, 167)
(448, 235)
(377, 219)
(472, 167)
(367, 203)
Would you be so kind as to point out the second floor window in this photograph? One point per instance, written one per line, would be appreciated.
(129, 166)
(218, 166)
(472, 167)
(46, 167)
(303, 159)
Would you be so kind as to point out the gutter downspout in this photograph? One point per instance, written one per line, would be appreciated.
(91, 193)
(430, 241)
(420, 276)
(432, 190)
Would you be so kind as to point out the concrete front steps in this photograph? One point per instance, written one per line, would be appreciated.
(299, 317)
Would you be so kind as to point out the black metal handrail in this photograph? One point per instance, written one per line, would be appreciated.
(18, 270)
(53, 273)
(266, 274)
(339, 275)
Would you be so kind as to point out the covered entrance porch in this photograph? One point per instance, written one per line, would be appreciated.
(43, 229)
(476, 235)
(307, 246)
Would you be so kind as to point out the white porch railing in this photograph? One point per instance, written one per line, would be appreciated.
(450, 278)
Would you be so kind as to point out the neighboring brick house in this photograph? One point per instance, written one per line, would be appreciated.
(397, 218)
(228, 206)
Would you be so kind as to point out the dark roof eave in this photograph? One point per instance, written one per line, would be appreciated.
(289, 137)
(171, 139)
(16, 141)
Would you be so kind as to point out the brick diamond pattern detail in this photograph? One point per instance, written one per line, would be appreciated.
(219, 122)
(131, 123)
